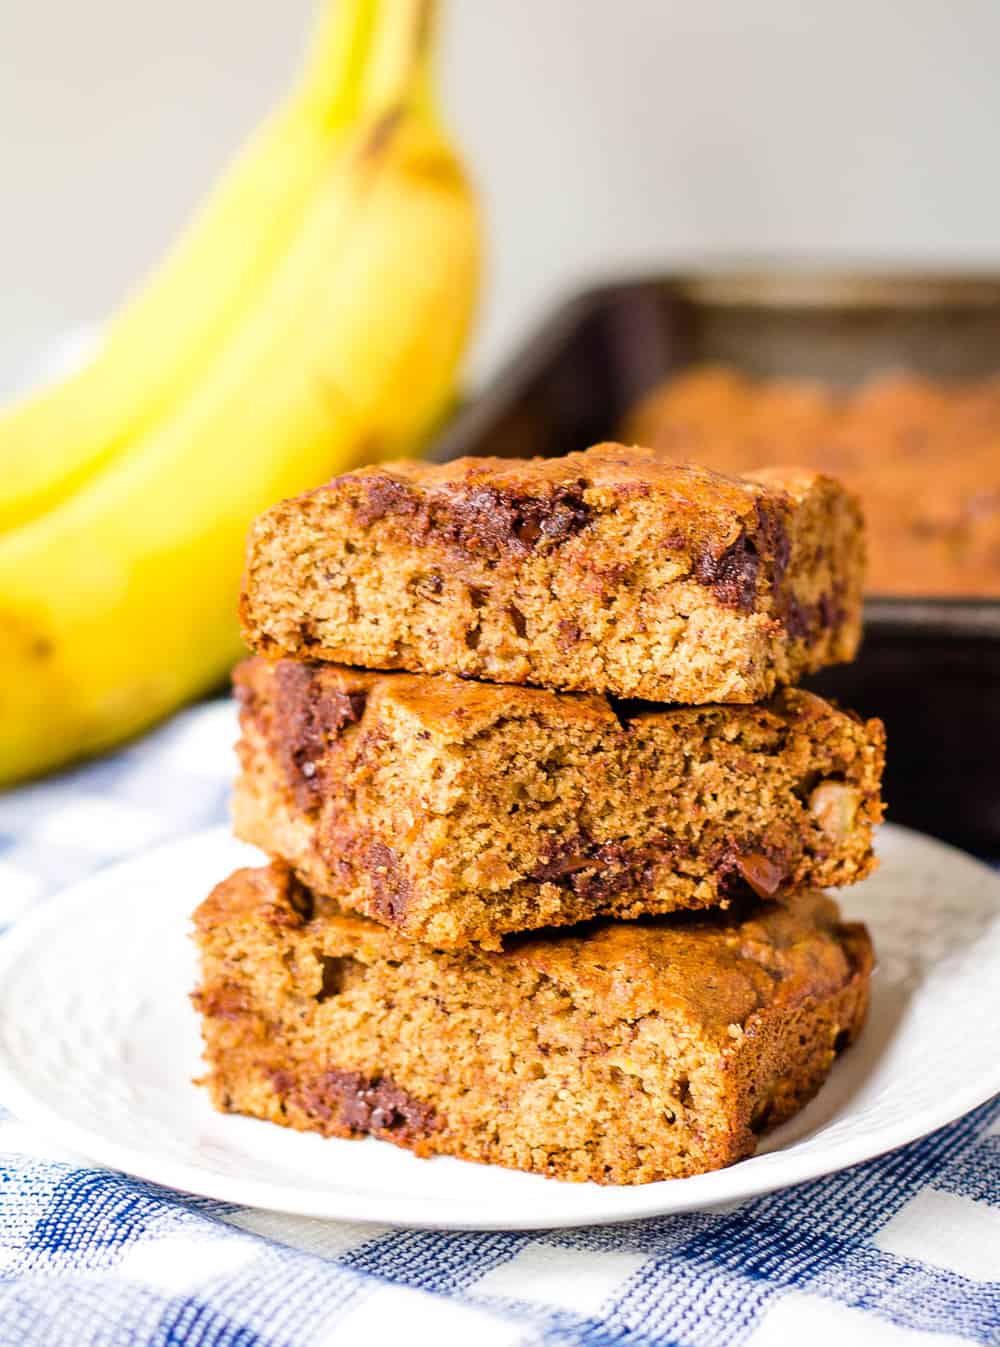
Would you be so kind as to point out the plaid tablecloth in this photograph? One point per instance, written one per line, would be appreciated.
(905, 1250)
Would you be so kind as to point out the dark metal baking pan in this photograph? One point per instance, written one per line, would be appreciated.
(929, 667)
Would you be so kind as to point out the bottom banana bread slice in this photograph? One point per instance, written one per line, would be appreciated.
(620, 1052)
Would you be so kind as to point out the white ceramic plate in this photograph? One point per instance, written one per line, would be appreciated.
(98, 1046)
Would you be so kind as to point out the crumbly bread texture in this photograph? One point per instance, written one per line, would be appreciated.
(923, 454)
(620, 1053)
(457, 811)
(614, 571)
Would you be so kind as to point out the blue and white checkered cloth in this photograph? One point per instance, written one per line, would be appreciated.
(902, 1251)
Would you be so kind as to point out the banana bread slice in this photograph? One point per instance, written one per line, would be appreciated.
(613, 571)
(620, 1053)
(458, 811)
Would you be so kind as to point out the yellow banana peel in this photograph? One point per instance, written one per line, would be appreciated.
(161, 340)
(117, 599)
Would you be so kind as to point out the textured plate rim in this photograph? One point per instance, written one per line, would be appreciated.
(752, 1177)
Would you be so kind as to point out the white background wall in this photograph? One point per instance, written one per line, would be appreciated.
(605, 136)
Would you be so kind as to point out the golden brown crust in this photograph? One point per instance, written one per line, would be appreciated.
(924, 455)
(619, 1053)
(458, 811)
(613, 570)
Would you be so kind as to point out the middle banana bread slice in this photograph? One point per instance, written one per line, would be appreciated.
(456, 812)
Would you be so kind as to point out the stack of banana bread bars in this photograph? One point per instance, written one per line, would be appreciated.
(547, 816)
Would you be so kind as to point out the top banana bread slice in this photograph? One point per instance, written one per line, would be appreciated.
(614, 570)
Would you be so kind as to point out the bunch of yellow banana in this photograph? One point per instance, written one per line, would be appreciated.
(312, 317)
